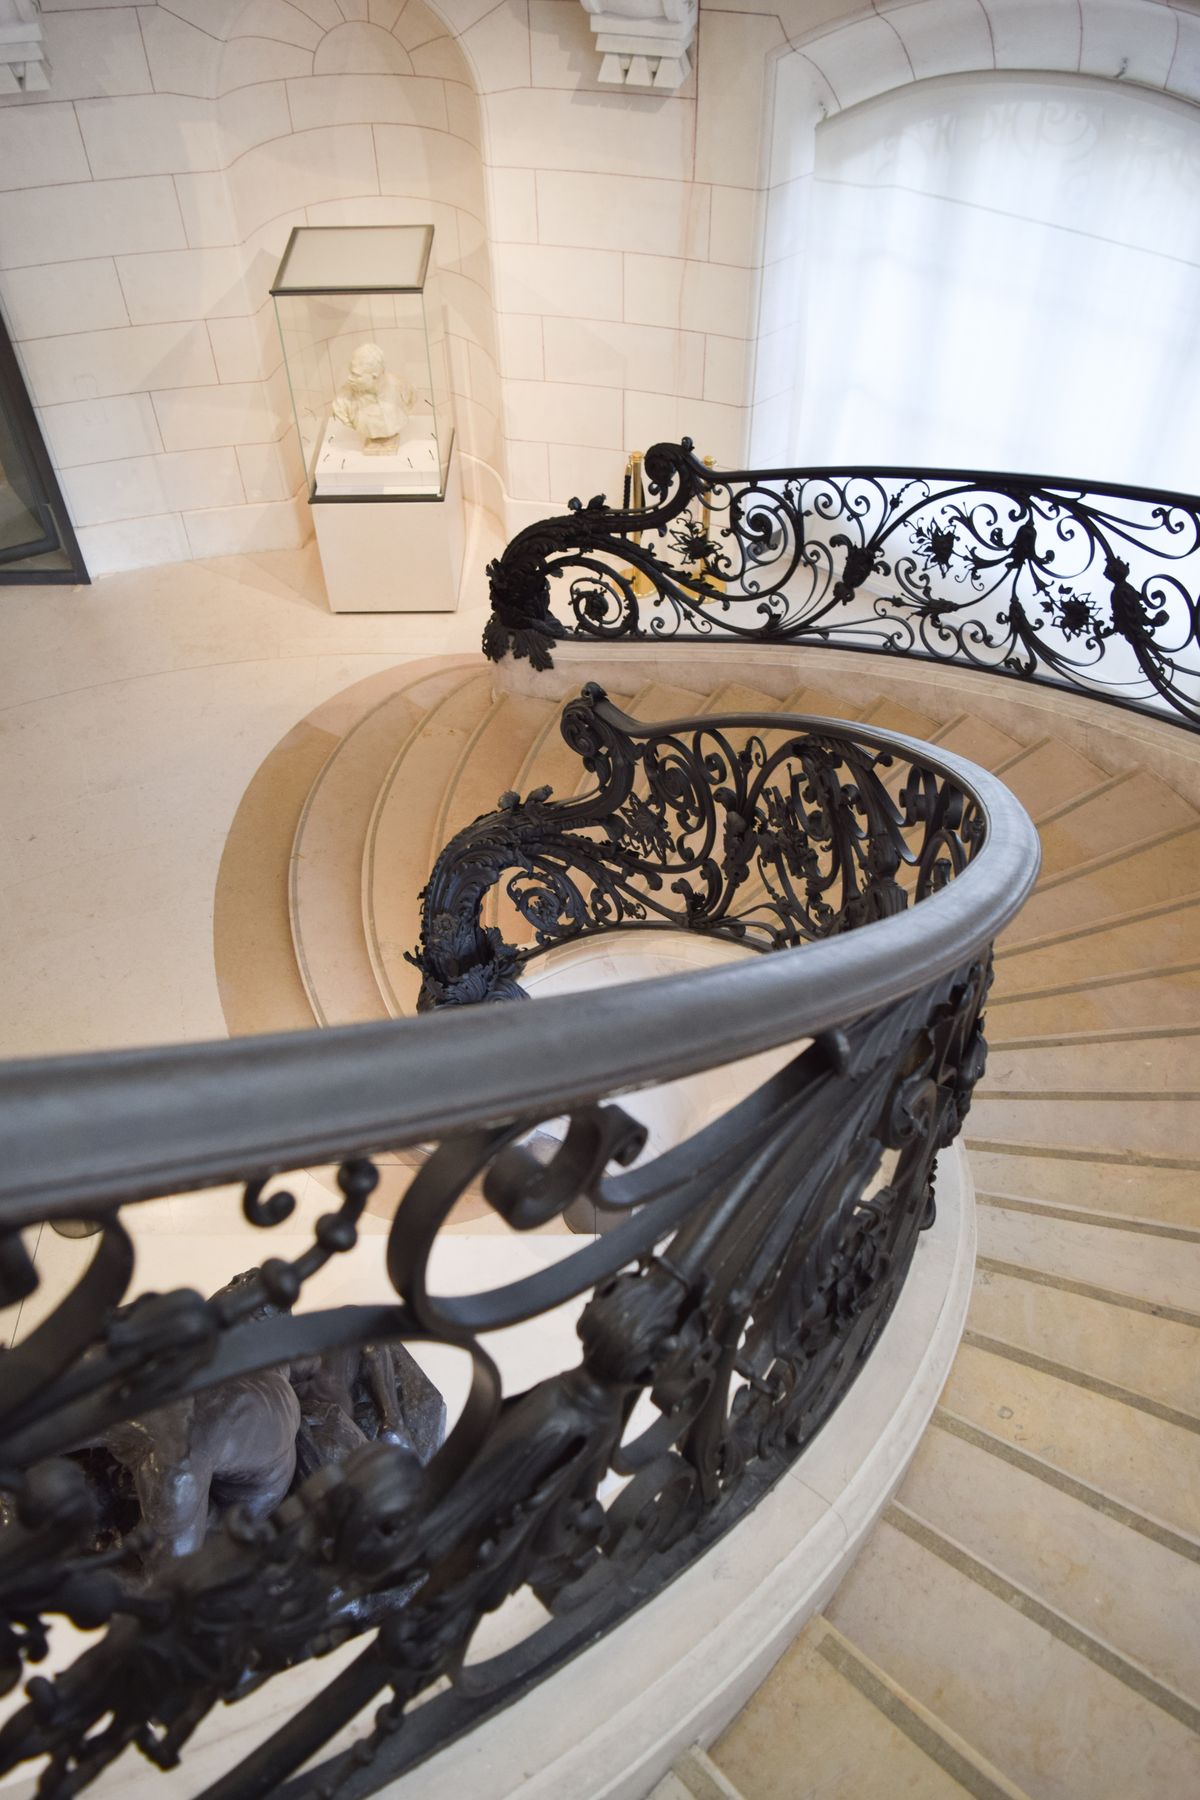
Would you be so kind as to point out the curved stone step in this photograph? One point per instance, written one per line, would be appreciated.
(325, 888)
(1120, 883)
(1047, 775)
(979, 741)
(1142, 999)
(259, 983)
(1054, 1708)
(1131, 1350)
(1149, 1065)
(828, 1724)
(1124, 812)
(1145, 1465)
(1140, 1268)
(1164, 1197)
(400, 848)
(1125, 1591)
(496, 755)
(1166, 935)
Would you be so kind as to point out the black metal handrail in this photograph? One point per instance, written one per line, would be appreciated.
(1089, 586)
(747, 1273)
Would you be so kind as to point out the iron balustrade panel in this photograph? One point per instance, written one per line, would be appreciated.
(1084, 586)
(767, 831)
(739, 1283)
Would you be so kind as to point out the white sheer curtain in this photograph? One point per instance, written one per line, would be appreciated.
(1003, 272)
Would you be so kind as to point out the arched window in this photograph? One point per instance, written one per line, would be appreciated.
(1003, 271)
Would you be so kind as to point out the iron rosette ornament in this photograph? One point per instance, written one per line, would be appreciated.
(1081, 585)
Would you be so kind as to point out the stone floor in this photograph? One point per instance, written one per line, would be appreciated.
(133, 714)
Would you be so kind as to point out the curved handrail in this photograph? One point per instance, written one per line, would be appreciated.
(1088, 586)
(744, 1278)
(206, 1114)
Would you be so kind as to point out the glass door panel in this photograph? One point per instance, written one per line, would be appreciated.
(37, 543)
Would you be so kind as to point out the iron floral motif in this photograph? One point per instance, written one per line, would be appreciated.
(1083, 586)
(740, 1282)
(703, 825)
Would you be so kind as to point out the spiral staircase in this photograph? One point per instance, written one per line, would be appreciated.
(1023, 1622)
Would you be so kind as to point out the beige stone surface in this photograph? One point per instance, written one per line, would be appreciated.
(325, 898)
(1047, 1716)
(1145, 1463)
(1124, 883)
(1149, 1065)
(1132, 1349)
(1119, 1125)
(1088, 1184)
(810, 1734)
(1157, 999)
(1046, 775)
(1159, 1270)
(402, 836)
(1169, 938)
(1122, 1588)
(1127, 811)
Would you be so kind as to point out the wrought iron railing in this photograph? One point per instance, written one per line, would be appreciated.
(1085, 586)
(746, 1273)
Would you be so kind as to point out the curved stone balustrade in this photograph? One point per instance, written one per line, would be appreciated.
(1077, 584)
(741, 1281)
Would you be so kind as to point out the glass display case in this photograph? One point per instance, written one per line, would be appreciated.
(364, 345)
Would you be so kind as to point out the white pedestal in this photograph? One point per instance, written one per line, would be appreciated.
(393, 555)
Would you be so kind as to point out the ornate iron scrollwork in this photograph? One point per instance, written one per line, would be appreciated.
(1087, 587)
(771, 832)
(743, 1278)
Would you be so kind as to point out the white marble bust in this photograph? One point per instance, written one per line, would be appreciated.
(372, 401)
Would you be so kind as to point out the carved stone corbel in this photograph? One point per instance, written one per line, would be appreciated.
(23, 65)
(643, 44)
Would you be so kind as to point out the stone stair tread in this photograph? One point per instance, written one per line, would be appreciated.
(1120, 1125)
(978, 740)
(325, 886)
(1042, 1711)
(1125, 813)
(893, 715)
(1046, 775)
(400, 851)
(492, 761)
(1143, 1463)
(1156, 1271)
(1126, 1190)
(1123, 1346)
(259, 983)
(740, 697)
(1122, 1589)
(1150, 1065)
(1169, 937)
(825, 703)
(1167, 870)
(827, 1724)
(1157, 998)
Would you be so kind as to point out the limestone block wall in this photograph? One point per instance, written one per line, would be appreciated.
(618, 267)
(144, 203)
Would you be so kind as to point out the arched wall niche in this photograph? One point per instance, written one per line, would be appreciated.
(329, 119)
(845, 62)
